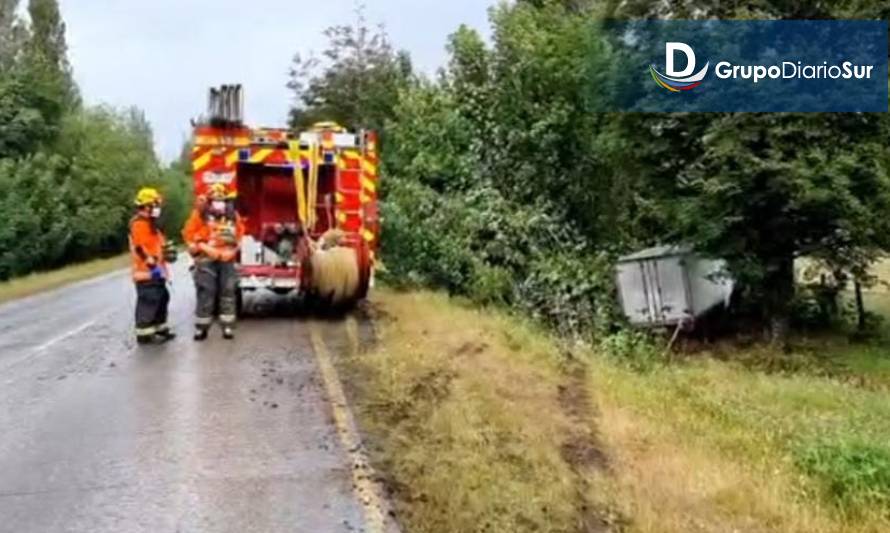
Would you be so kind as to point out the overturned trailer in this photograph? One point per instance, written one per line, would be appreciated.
(668, 286)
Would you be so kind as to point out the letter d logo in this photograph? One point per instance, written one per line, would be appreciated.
(670, 51)
(674, 80)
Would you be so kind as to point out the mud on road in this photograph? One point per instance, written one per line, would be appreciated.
(101, 435)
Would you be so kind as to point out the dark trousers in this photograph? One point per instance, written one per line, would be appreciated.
(152, 300)
(216, 283)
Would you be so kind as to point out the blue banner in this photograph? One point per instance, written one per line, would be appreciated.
(746, 66)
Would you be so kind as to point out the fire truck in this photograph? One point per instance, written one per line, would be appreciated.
(308, 199)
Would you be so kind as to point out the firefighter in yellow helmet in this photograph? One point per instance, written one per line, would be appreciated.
(150, 256)
(213, 234)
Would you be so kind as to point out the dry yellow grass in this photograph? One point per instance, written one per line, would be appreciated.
(44, 281)
(464, 408)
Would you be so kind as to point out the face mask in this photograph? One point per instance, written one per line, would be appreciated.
(156, 212)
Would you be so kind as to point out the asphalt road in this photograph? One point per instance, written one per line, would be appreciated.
(100, 435)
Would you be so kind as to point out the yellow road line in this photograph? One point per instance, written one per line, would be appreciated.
(375, 507)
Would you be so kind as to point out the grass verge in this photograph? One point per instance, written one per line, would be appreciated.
(481, 422)
(45, 281)
(476, 420)
(708, 445)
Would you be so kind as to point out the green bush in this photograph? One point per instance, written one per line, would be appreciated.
(418, 248)
(633, 349)
(572, 292)
(491, 285)
(481, 245)
(853, 475)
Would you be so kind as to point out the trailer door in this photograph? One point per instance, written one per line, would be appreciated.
(673, 295)
(634, 292)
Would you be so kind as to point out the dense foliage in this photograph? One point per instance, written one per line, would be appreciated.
(502, 184)
(68, 172)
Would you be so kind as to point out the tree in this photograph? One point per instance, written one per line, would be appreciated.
(356, 83)
(12, 34)
(36, 87)
(765, 190)
(489, 183)
(177, 188)
(716, 9)
(541, 139)
(48, 49)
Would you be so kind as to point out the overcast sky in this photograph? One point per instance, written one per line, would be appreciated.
(162, 55)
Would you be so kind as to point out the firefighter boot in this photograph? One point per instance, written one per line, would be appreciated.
(145, 339)
(165, 334)
(200, 334)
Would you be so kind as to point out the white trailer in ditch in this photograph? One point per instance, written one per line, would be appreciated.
(671, 286)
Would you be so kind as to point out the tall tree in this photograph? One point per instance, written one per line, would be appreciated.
(11, 34)
(48, 48)
(757, 195)
(356, 82)
(37, 87)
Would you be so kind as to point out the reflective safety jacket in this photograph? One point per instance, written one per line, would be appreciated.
(217, 238)
(146, 248)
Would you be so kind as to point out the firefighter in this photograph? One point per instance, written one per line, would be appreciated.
(151, 254)
(213, 233)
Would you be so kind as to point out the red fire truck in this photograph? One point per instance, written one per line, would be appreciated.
(302, 195)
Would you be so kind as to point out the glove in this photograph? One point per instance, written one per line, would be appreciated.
(157, 273)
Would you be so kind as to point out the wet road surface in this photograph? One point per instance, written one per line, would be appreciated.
(99, 435)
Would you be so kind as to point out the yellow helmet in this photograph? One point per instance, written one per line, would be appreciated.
(147, 196)
(329, 125)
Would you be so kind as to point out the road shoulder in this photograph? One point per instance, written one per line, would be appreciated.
(42, 282)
